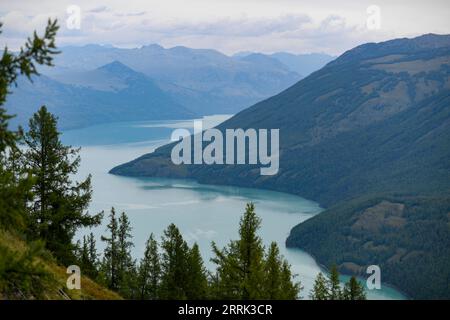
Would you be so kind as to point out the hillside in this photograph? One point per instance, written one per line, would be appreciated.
(303, 64)
(369, 129)
(30, 272)
(110, 93)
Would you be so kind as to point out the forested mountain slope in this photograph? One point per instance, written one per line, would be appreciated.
(368, 135)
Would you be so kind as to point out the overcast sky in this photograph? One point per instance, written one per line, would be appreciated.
(228, 25)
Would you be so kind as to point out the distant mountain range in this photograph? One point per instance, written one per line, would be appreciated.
(368, 136)
(184, 82)
(303, 64)
(111, 93)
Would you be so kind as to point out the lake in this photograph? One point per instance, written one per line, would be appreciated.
(203, 213)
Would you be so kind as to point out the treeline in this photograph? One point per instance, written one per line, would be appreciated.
(329, 288)
(171, 269)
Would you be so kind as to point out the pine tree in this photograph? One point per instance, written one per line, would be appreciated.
(126, 267)
(353, 290)
(290, 289)
(14, 193)
(197, 287)
(251, 252)
(272, 269)
(59, 204)
(240, 265)
(244, 271)
(334, 286)
(278, 279)
(174, 265)
(320, 289)
(88, 257)
(111, 254)
(149, 273)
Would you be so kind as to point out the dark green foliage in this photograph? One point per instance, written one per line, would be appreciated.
(149, 272)
(278, 281)
(244, 272)
(320, 289)
(420, 268)
(198, 283)
(126, 266)
(174, 265)
(88, 257)
(353, 290)
(334, 286)
(329, 288)
(111, 256)
(59, 204)
(14, 188)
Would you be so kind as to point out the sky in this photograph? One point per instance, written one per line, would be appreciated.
(229, 26)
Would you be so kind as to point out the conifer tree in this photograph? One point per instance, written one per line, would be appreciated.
(197, 287)
(59, 204)
(320, 288)
(14, 193)
(174, 265)
(353, 290)
(111, 254)
(278, 279)
(126, 267)
(290, 289)
(149, 273)
(334, 286)
(245, 272)
(272, 269)
(88, 257)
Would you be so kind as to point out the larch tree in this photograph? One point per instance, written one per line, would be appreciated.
(198, 282)
(149, 272)
(59, 205)
(353, 290)
(111, 256)
(174, 265)
(14, 193)
(320, 288)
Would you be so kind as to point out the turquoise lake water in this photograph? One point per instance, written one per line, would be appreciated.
(203, 213)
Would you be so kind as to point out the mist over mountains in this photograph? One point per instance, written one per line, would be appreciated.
(94, 83)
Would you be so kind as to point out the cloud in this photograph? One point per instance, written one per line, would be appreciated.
(229, 26)
(99, 9)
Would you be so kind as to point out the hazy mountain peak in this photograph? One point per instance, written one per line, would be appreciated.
(116, 67)
(153, 46)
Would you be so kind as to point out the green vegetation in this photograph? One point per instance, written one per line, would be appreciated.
(370, 127)
(362, 232)
(172, 270)
(329, 288)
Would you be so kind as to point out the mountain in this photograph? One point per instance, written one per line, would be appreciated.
(367, 136)
(110, 93)
(303, 64)
(204, 81)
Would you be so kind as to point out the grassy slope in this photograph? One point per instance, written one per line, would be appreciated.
(45, 279)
